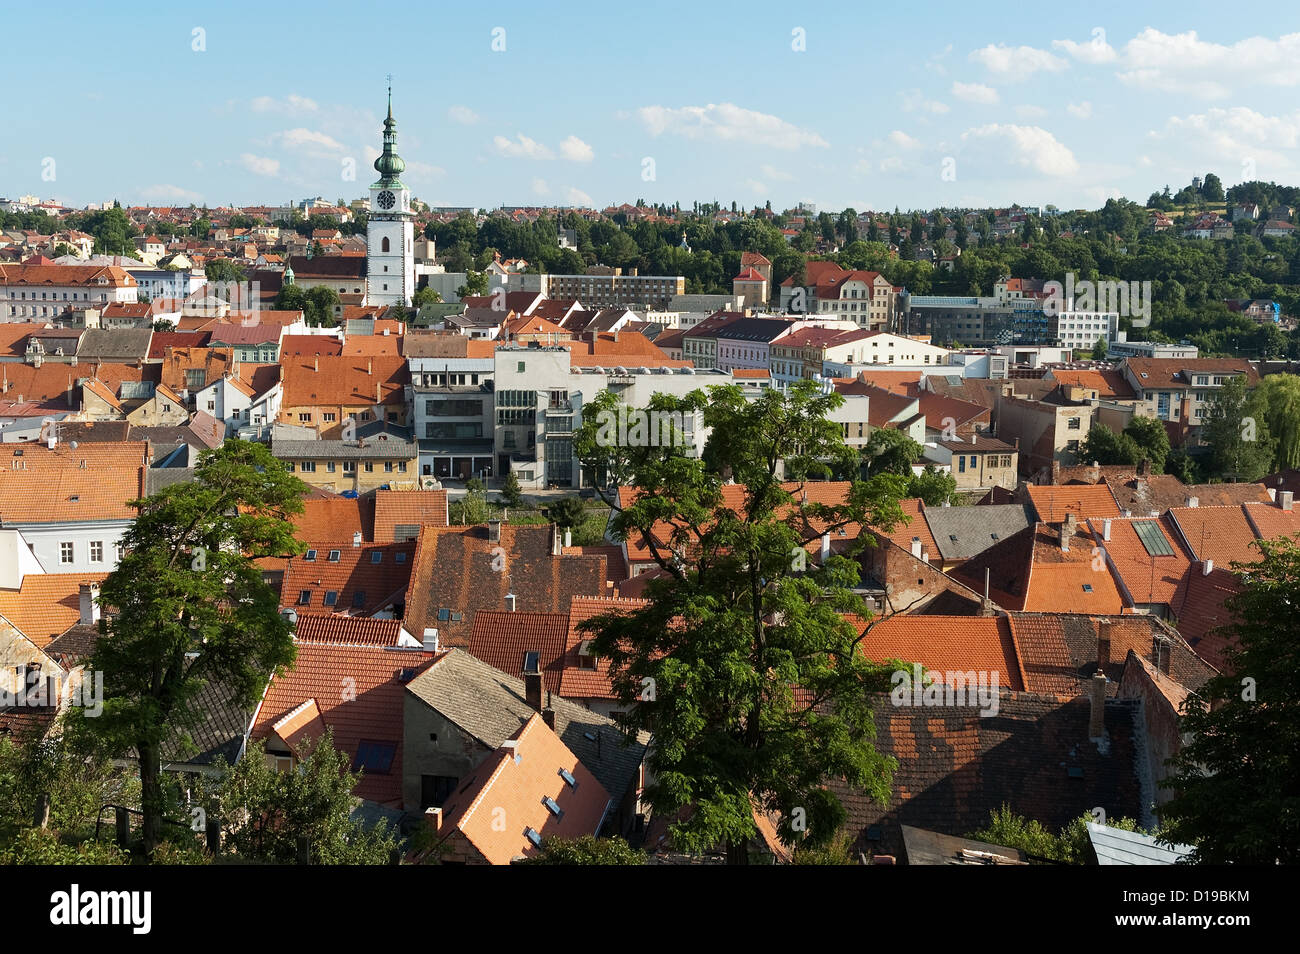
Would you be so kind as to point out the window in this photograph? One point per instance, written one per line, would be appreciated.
(435, 789)
(65, 552)
(309, 556)
(377, 556)
(329, 467)
(328, 417)
(308, 467)
(370, 467)
(1073, 424)
(349, 467)
(553, 807)
(533, 836)
(304, 417)
(399, 557)
(97, 551)
(1148, 531)
(359, 599)
(331, 597)
(304, 597)
(388, 467)
(375, 758)
(961, 463)
(1087, 587)
(520, 369)
(333, 556)
(569, 780)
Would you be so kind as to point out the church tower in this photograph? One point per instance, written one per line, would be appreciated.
(390, 230)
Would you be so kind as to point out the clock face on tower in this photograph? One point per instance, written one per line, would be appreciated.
(386, 200)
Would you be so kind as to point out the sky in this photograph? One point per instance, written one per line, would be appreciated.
(905, 105)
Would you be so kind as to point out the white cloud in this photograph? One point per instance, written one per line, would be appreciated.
(775, 174)
(753, 185)
(975, 93)
(309, 139)
(578, 197)
(521, 148)
(1240, 138)
(1030, 146)
(1095, 51)
(863, 167)
(1030, 112)
(1080, 110)
(728, 122)
(1016, 63)
(170, 193)
(903, 140)
(291, 104)
(915, 101)
(423, 170)
(576, 150)
(1184, 63)
(463, 115)
(540, 187)
(259, 165)
(891, 164)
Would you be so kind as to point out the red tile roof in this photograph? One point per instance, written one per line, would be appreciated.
(1051, 504)
(408, 508)
(946, 644)
(344, 381)
(348, 630)
(579, 681)
(501, 639)
(1146, 577)
(355, 576)
(359, 693)
(47, 605)
(93, 481)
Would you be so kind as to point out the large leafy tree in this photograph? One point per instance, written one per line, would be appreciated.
(1241, 447)
(1151, 439)
(187, 607)
(265, 813)
(742, 662)
(1280, 398)
(1237, 783)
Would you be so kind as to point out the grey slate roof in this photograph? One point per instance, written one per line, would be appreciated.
(116, 344)
(491, 706)
(390, 449)
(156, 478)
(973, 528)
(1115, 846)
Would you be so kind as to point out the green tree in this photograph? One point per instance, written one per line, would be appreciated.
(264, 812)
(1279, 395)
(890, 451)
(1099, 349)
(566, 512)
(323, 303)
(741, 661)
(293, 298)
(1212, 188)
(1104, 446)
(1151, 439)
(476, 283)
(1236, 797)
(190, 608)
(585, 850)
(473, 507)
(1236, 430)
(223, 270)
(164, 324)
(932, 485)
(511, 493)
(425, 296)
(1070, 846)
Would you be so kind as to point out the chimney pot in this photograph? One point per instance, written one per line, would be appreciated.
(557, 540)
(1105, 529)
(1285, 499)
(1207, 567)
(826, 547)
(89, 593)
(433, 815)
(1193, 501)
(511, 600)
(431, 639)
(916, 547)
(494, 531)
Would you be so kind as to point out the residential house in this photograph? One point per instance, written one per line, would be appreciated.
(359, 465)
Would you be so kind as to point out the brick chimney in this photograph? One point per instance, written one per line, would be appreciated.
(1056, 472)
(1164, 649)
(1103, 645)
(533, 683)
(1144, 468)
(433, 816)
(1097, 708)
(494, 531)
(1068, 526)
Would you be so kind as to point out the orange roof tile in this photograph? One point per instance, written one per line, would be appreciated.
(1084, 500)
(344, 381)
(359, 692)
(1146, 577)
(579, 681)
(347, 630)
(47, 604)
(501, 639)
(363, 580)
(93, 481)
(515, 783)
(957, 644)
(408, 508)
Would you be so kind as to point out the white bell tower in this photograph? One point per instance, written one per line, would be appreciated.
(390, 229)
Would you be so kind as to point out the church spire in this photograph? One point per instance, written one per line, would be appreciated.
(389, 165)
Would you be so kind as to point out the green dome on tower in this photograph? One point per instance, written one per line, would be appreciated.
(389, 165)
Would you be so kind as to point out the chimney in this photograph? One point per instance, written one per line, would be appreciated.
(511, 599)
(1103, 645)
(1097, 712)
(431, 639)
(1193, 501)
(568, 538)
(494, 531)
(1067, 530)
(533, 684)
(1272, 494)
(356, 538)
(89, 608)
(316, 363)
(557, 540)
(1144, 468)
(378, 399)
(1284, 500)
(548, 716)
(1056, 472)
(433, 816)
(826, 547)
(916, 547)
(1207, 567)
(370, 366)
(1164, 649)
(1105, 529)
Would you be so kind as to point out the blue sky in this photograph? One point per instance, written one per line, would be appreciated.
(913, 105)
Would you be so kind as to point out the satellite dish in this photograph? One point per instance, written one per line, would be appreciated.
(72, 444)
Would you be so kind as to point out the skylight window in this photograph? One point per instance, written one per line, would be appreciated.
(1087, 587)
(444, 615)
(331, 597)
(569, 780)
(304, 597)
(532, 835)
(377, 556)
(374, 757)
(1148, 531)
(358, 599)
(553, 807)
(310, 556)
(399, 557)
(334, 556)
